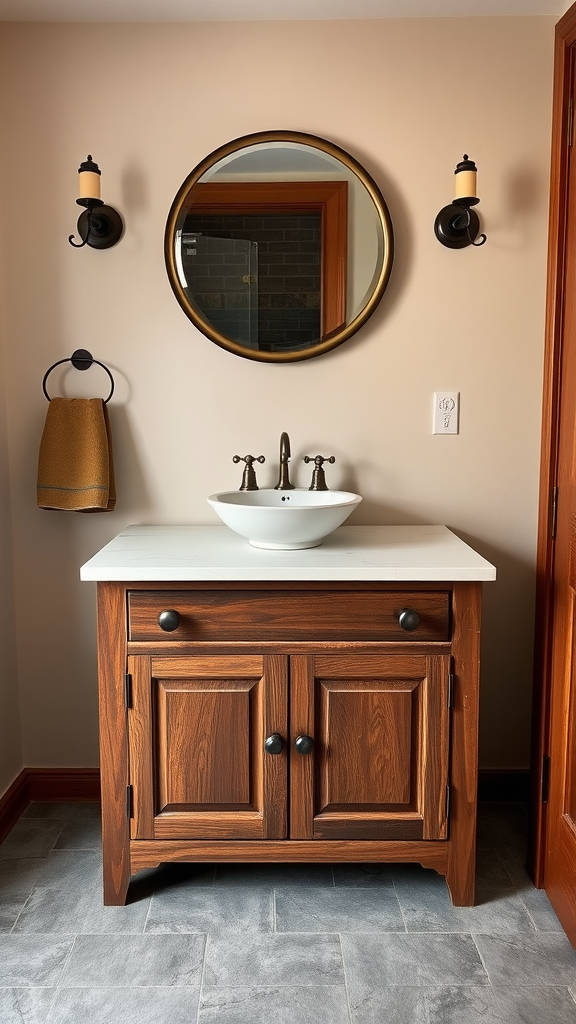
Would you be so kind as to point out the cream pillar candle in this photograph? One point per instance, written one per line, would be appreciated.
(88, 180)
(465, 179)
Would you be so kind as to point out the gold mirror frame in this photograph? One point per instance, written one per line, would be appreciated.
(336, 337)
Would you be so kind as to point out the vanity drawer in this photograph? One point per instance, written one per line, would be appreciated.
(294, 615)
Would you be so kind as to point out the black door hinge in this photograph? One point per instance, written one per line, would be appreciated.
(545, 778)
(127, 691)
(129, 802)
(450, 689)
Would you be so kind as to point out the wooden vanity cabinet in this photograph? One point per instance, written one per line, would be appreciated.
(371, 729)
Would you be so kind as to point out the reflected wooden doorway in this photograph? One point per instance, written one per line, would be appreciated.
(327, 198)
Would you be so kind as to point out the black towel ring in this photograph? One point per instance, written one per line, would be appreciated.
(81, 359)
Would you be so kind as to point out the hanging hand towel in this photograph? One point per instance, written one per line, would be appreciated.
(75, 468)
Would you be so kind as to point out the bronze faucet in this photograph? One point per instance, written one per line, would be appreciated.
(284, 478)
(318, 474)
(249, 475)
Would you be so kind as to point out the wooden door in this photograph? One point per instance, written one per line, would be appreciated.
(198, 764)
(378, 768)
(560, 868)
(553, 854)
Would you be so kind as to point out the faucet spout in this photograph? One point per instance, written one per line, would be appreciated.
(284, 477)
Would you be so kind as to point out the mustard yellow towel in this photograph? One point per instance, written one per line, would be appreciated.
(75, 468)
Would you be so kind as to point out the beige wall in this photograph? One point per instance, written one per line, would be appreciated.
(149, 102)
(10, 728)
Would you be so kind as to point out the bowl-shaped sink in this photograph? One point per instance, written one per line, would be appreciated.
(284, 520)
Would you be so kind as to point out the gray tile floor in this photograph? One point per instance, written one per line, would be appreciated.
(248, 944)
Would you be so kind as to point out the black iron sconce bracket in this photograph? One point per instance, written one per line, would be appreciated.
(99, 226)
(457, 226)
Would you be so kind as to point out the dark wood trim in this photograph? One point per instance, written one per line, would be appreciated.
(12, 803)
(504, 784)
(565, 38)
(46, 784)
(63, 783)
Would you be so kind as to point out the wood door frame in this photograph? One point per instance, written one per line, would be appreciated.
(328, 198)
(555, 297)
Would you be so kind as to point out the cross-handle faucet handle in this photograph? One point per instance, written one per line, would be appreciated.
(318, 475)
(249, 475)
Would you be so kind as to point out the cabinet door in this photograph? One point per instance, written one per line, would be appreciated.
(379, 765)
(198, 765)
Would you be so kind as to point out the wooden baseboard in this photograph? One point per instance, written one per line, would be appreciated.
(12, 803)
(46, 784)
(504, 784)
(63, 783)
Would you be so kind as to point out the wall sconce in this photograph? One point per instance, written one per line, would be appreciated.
(457, 225)
(99, 226)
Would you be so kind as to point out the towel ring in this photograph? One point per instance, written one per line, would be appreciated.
(81, 359)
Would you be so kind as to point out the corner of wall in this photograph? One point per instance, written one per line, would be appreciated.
(11, 762)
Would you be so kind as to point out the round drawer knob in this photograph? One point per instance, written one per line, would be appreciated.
(304, 744)
(408, 619)
(169, 620)
(274, 744)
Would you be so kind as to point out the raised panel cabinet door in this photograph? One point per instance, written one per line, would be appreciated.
(199, 766)
(378, 761)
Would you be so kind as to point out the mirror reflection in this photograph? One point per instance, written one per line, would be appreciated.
(279, 246)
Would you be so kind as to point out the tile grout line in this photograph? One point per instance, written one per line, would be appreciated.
(58, 985)
(503, 863)
(201, 988)
(399, 904)
(144, 932)
(348, 1004)
(24, 905)
(482, 958)
(527, 909)
(274, 932)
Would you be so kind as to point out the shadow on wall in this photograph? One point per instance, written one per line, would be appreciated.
(133, 488)
(507, 654)
(135, 201)
(524, 194)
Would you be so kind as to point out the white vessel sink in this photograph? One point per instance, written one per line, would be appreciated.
(284, 520)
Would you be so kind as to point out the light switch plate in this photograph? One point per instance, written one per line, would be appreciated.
(446, 412)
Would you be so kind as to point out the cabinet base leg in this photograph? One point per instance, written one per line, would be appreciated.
(115, 889)
(462, 888)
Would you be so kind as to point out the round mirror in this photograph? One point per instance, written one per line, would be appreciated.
(279, 246)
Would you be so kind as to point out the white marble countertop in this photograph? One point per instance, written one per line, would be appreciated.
(355, 553)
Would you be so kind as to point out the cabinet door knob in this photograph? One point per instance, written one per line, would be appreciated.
(274, 744)
(304, 744)
(169, 620)
(408, 619)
